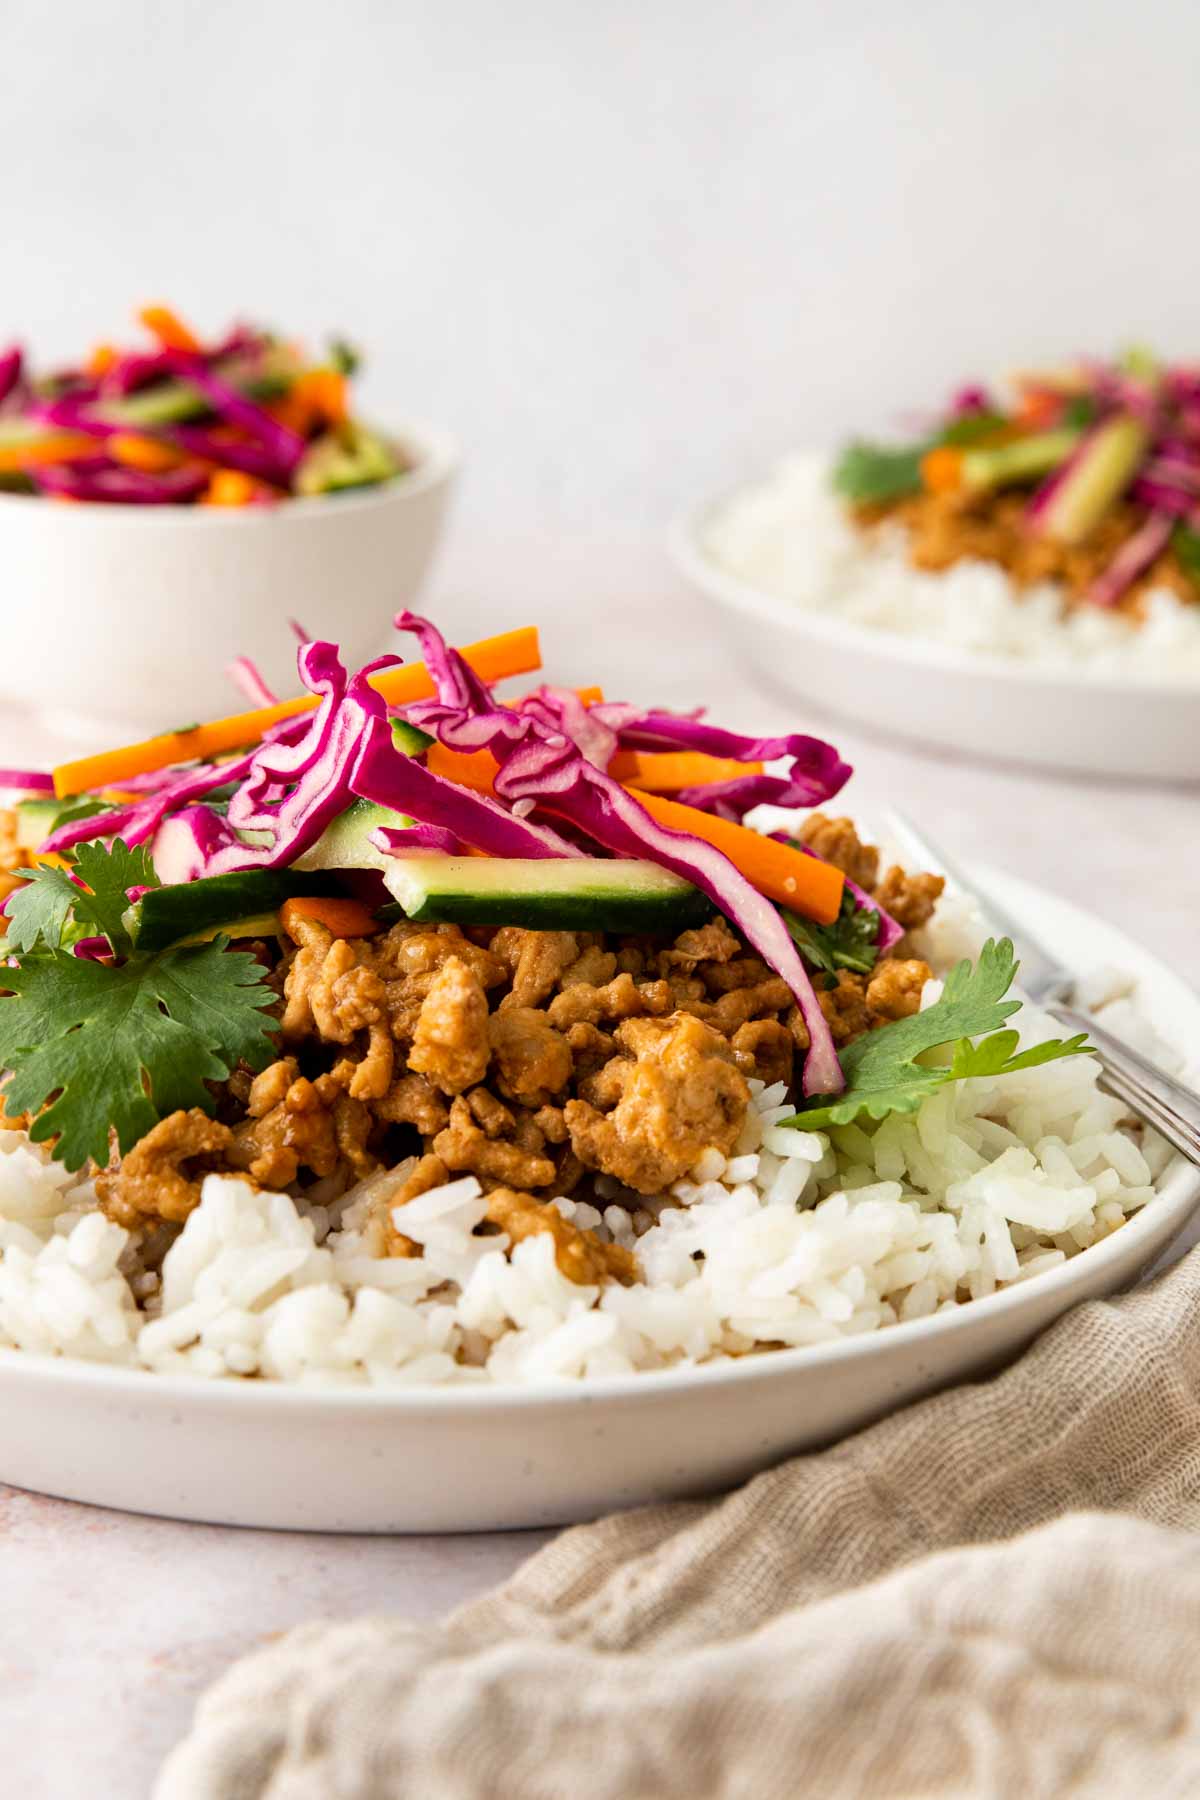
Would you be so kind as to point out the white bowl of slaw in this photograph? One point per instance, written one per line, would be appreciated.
(119, 616)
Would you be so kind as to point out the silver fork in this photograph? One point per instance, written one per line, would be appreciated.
(1150, 1093)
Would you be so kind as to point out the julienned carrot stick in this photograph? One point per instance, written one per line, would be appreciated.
(169, 329)
(941, 469)
(57, 447)
(343, 917)
(784, 875)
(666, 771)
(493, 659)
(230, 487)
(134, 451)
(475, 769)
(658, 773)
(322, 392)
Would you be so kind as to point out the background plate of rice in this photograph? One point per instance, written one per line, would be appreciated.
(927, 655)
(280, 1375)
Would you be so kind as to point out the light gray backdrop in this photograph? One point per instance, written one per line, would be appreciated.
(626, 250)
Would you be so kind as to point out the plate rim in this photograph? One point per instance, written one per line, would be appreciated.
(1181, 1195)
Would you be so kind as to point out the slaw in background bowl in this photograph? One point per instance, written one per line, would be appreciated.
(120, 616)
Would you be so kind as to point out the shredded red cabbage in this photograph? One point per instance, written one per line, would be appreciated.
(1132, 559)
(247, 679)
(287, 446)
(385, 775)
(399, 840)
(92, 949)
(258, 460)
(28, 781)
(11, 364)
(138, 822)
(817, 771)
(120, 487)
(547, 768)
(187, 841)
(561, 709)
(1162, 498)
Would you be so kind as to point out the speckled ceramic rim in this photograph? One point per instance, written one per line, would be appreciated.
(686, 550)
(1180, 1194)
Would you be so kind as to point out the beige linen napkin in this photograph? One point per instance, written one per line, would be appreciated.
(992, 1592)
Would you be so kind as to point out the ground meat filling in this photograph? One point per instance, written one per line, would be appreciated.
(540, 1062)
(943, 529)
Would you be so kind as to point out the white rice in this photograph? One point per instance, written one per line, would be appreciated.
(797, 1238)
(790, 537)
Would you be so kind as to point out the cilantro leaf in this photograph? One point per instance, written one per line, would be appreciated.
(109, 871)
(881, 1068)
(40, 909)
(849, 943)
(866, 472)
(122, 1045)
(1186, 544)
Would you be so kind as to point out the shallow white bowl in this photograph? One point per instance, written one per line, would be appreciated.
(481, 1459)
(973, 704)
(127, 615)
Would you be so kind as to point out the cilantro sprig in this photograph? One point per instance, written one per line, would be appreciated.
(122, 1042)
(882, 1070)
(849, 943)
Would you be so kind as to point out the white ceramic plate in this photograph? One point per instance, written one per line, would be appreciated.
(481, 1459)
(936, 695)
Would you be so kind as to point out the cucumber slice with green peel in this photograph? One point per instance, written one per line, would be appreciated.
(1025, 459)
(352, 457)
(406, 737)
(168, 915)
(346, 843)
(258, 925)
(37, 818)
(572, 893)
(1102, 471)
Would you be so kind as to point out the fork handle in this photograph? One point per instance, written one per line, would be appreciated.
(1172, 1109)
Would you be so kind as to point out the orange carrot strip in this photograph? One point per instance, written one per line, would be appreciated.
(134, 451)
(787, 876)
(293, 411)
(58, 447)
(344, 917)
(101, 360)
(493, 659)
(230, 487)
(169, 329)
(666, 771)
(475, 769)
(941, 469)
(323, 392)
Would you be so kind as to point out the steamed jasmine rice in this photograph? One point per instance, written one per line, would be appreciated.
(796, 1238)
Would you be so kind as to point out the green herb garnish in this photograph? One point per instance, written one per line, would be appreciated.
(849, 943)
(866, 473)
(881, 1068)
(121, 1043)
(1186, 544)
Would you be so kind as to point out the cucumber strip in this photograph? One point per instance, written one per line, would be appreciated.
(591, 894)
(167, 915)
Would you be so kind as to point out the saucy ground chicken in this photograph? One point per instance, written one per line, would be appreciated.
(536, 1061)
